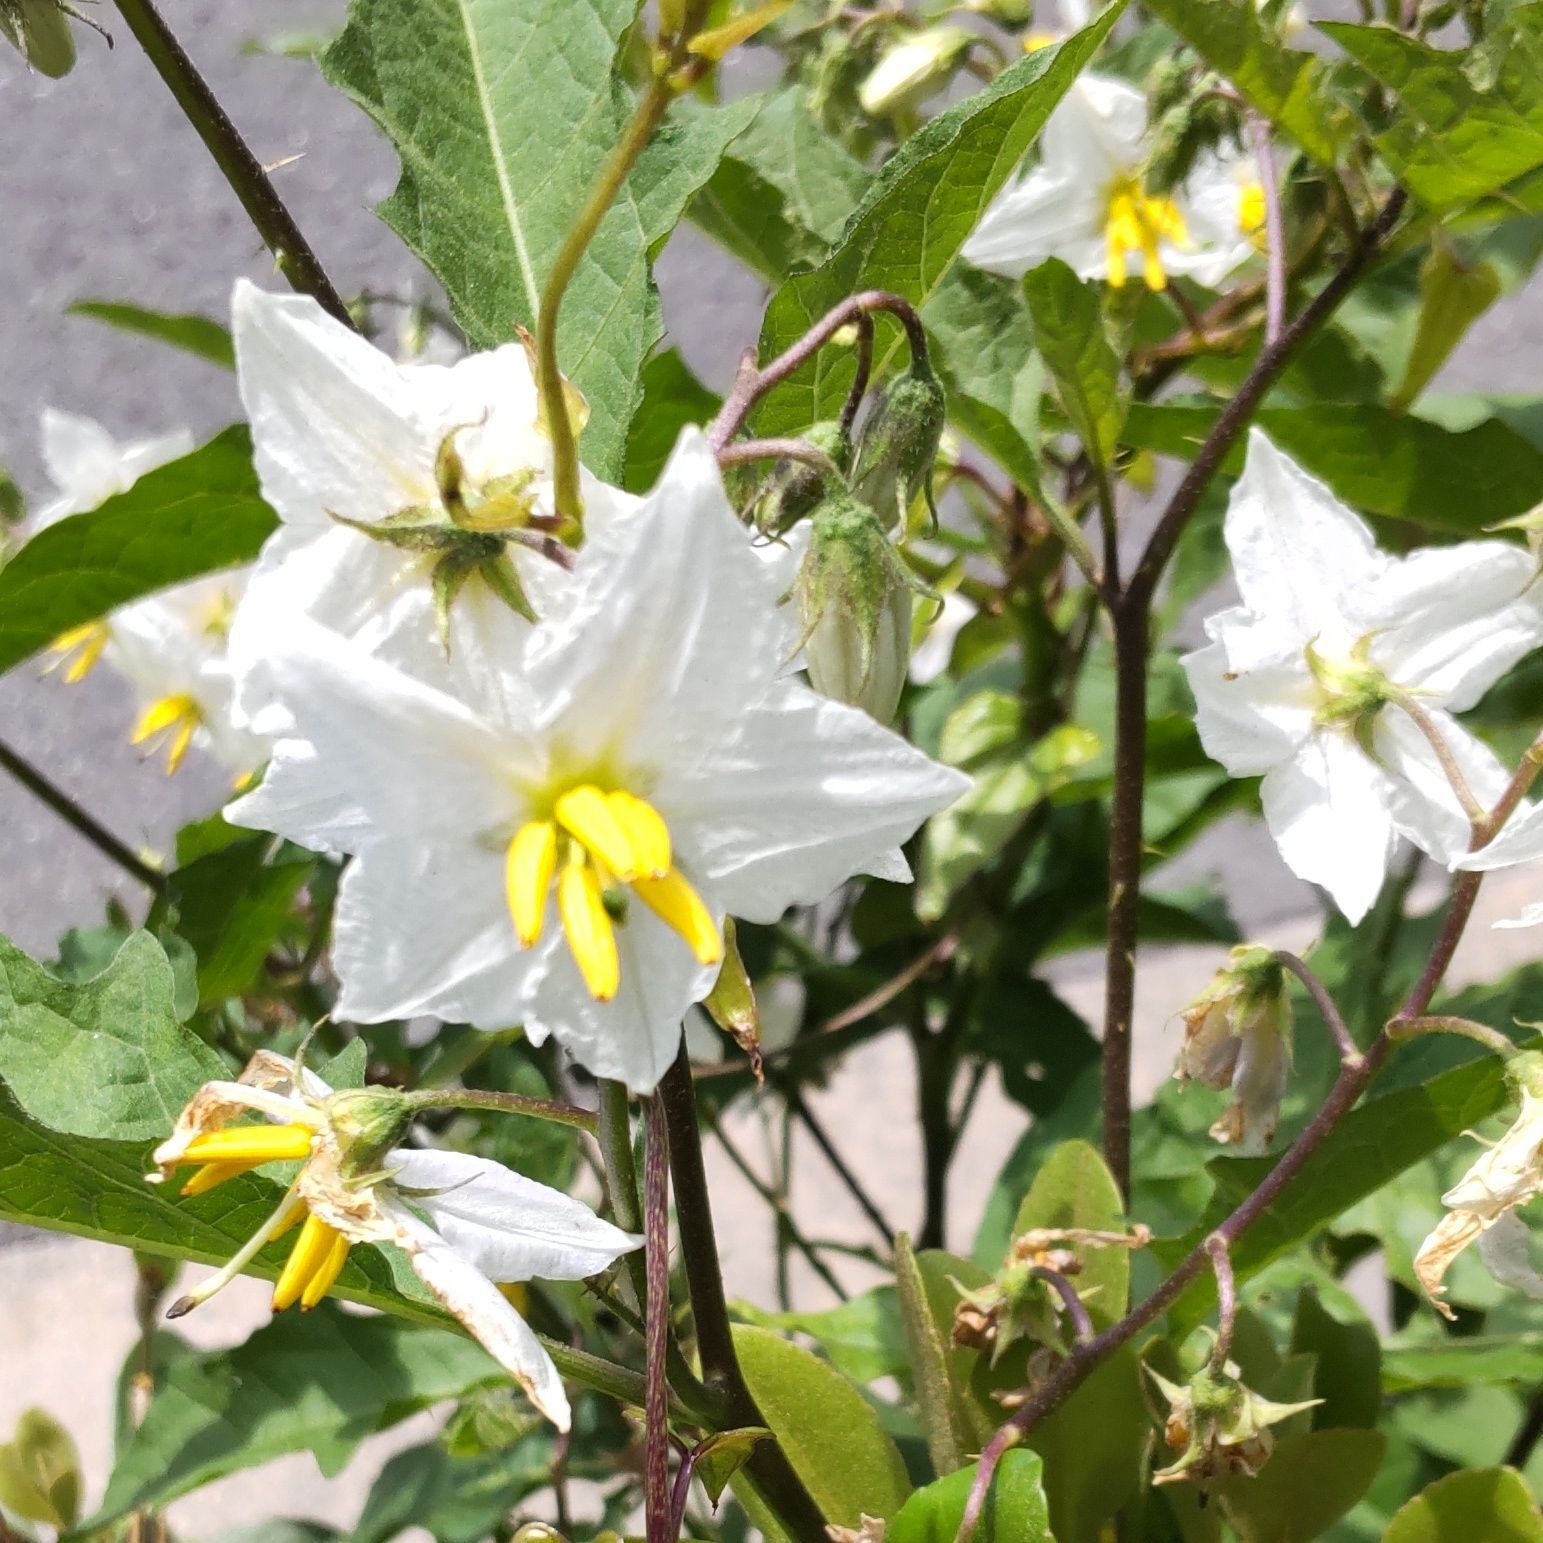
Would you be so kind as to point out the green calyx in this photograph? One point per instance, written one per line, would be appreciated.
(1257, 979)
(1524, 1071)
(367, 1123)
(1350, 694)
(798, 488)
(899, 444)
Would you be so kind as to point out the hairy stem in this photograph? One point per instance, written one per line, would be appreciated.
(241, 169)
(506, 1103)
(1226, 1299)
(79, 821)
(1480, 1033)
(789, 449)
(657, 1506)
(1334, 1020)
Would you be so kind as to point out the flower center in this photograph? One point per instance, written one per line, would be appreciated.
(78, 649)
(1138, 221)
(171, 721)
(598, 847)
(1351, 691)
(1251, 214)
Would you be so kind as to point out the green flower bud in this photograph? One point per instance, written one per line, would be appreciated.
(40, 31)
(367, 1123)
(854, 602)
(899, 445)
(797, 488)
(911, 69)
(1218, 1426)
(1011, 13)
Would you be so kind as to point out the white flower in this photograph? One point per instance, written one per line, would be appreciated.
(1085, 202)
(912, 69)
(941, 626)
(466, 1224)
(392, 481)
(635, 757)
(1481, 1204)
(1311, 682)
(87, 465)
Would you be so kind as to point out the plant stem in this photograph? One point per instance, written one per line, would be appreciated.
(1274, 227)
(241, 169)
(790, 449)
(1076, 1308)
(1334, 1020)
(78, 820)
(1480, 1033)
(506, 1103)
(1226, 1299)
(853, 1185)
(618, 1382)
(1516, 790)
(656, 1427)
(1446, 760)
(768, 1465)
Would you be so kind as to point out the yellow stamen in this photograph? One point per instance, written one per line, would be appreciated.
(517, 1294)
(528, 868)
(85, 643)
(311, 1254)
(680, 908)
(646, 831)
(176, 717)
(1251, 213)
(326, 1275)
(1137, 221)
(588, 929)
(211, 1175)
(251, 1143)
(1034, 41)
(585, 813)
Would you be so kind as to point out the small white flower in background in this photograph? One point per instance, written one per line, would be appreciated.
(561, 847)
(1237, 1038)
(912, 68)
(414, 498)
(1482, 1204)
(1085, 202)
(940, 628)
(87, 465)
(466, 1224)
(1303, 682)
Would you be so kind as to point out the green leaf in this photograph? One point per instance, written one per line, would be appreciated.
(230, 906)
(1069, 330)
(317, 1382)
(672, 398)
(830, 1433)
(106, 1059)
(906, 234)
(194, 334)
(1469, 120)
(1347, 1374)
(40, 1471)
(1284, 84)
(1386, 463)
(1309, 1482)
(1467, 1362)
(192, 516)
(1454, 293)
(862, 1336)
(928, 1338)
(720, 1456)
(502, 112)
(1015, 1510)
(782, 191)
(1489, 1503)
(455, 1500)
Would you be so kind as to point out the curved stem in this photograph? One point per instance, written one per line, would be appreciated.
(241, 169)
(1481, 1033)
(1274, 227)
(1076, 1308)
(1445, 759)
(1226, 1299)
(506, 1103)
(789, 449)
(1334, 1020)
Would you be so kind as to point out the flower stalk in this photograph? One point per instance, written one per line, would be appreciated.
(657, 1497)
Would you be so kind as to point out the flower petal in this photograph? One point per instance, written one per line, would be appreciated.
(1042, 216)
(1247, 723)
(1505, 1246)
(1327, 810)
(509, 1226)
(485, 1313)
(1424, 806)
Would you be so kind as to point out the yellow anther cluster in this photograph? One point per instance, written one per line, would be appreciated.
(1251, 213)
(1137, 221)
(172, 721)
(596, 843)
(79, 649)
(317, 1258)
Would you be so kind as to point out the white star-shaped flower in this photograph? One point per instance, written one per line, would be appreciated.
(392, 480)
(1314, 680)
(87, 465)
(466, 1224)
(1085, 201)
(560, 846)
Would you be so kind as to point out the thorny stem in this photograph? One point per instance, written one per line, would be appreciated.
(768, 1466)
(1274, 228)
(656, 1227)
(790, 449)
(506, 1103)
(1334, 1020)
(78, 820)
(1130, 614)
(1076, 1308)
(752, 384)
(241, 169)
(1226, 1299)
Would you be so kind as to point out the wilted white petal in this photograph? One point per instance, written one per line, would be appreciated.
(1505, 1246)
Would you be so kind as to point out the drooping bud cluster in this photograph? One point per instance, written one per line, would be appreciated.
(899, 445)
(1218, 1426)
(1237, 1036)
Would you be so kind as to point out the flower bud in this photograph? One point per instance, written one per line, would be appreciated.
(1010, 13)
(911, 69)
(797, 488)
(367, 1123)
(899, 444)
(1218, 1426)
(854, 603)
(1237, 1036)
(40, 31)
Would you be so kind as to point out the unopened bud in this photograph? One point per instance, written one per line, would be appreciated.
(910, 70)
(798, 488)
(1011, 13)
(40, 31)
(1237, 1036)
(1218, 1426)
(854, 602)
(899, 445)
(367, 1123)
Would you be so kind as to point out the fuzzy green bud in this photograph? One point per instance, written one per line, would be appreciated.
(899, 445)
(40, 31)
(854, 603)
(367, 1123)
(797, 488)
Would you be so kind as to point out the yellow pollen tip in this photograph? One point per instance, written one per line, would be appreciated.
(212, 1175)
(681, 909)
(311, 1254)
(588, 929)
(528, 868)
(645, 830)
(1137, 221)
(1252, 213)
(85, 643)
(327, 1273)
(177, 717)
(251, 1144)
(586, 814)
